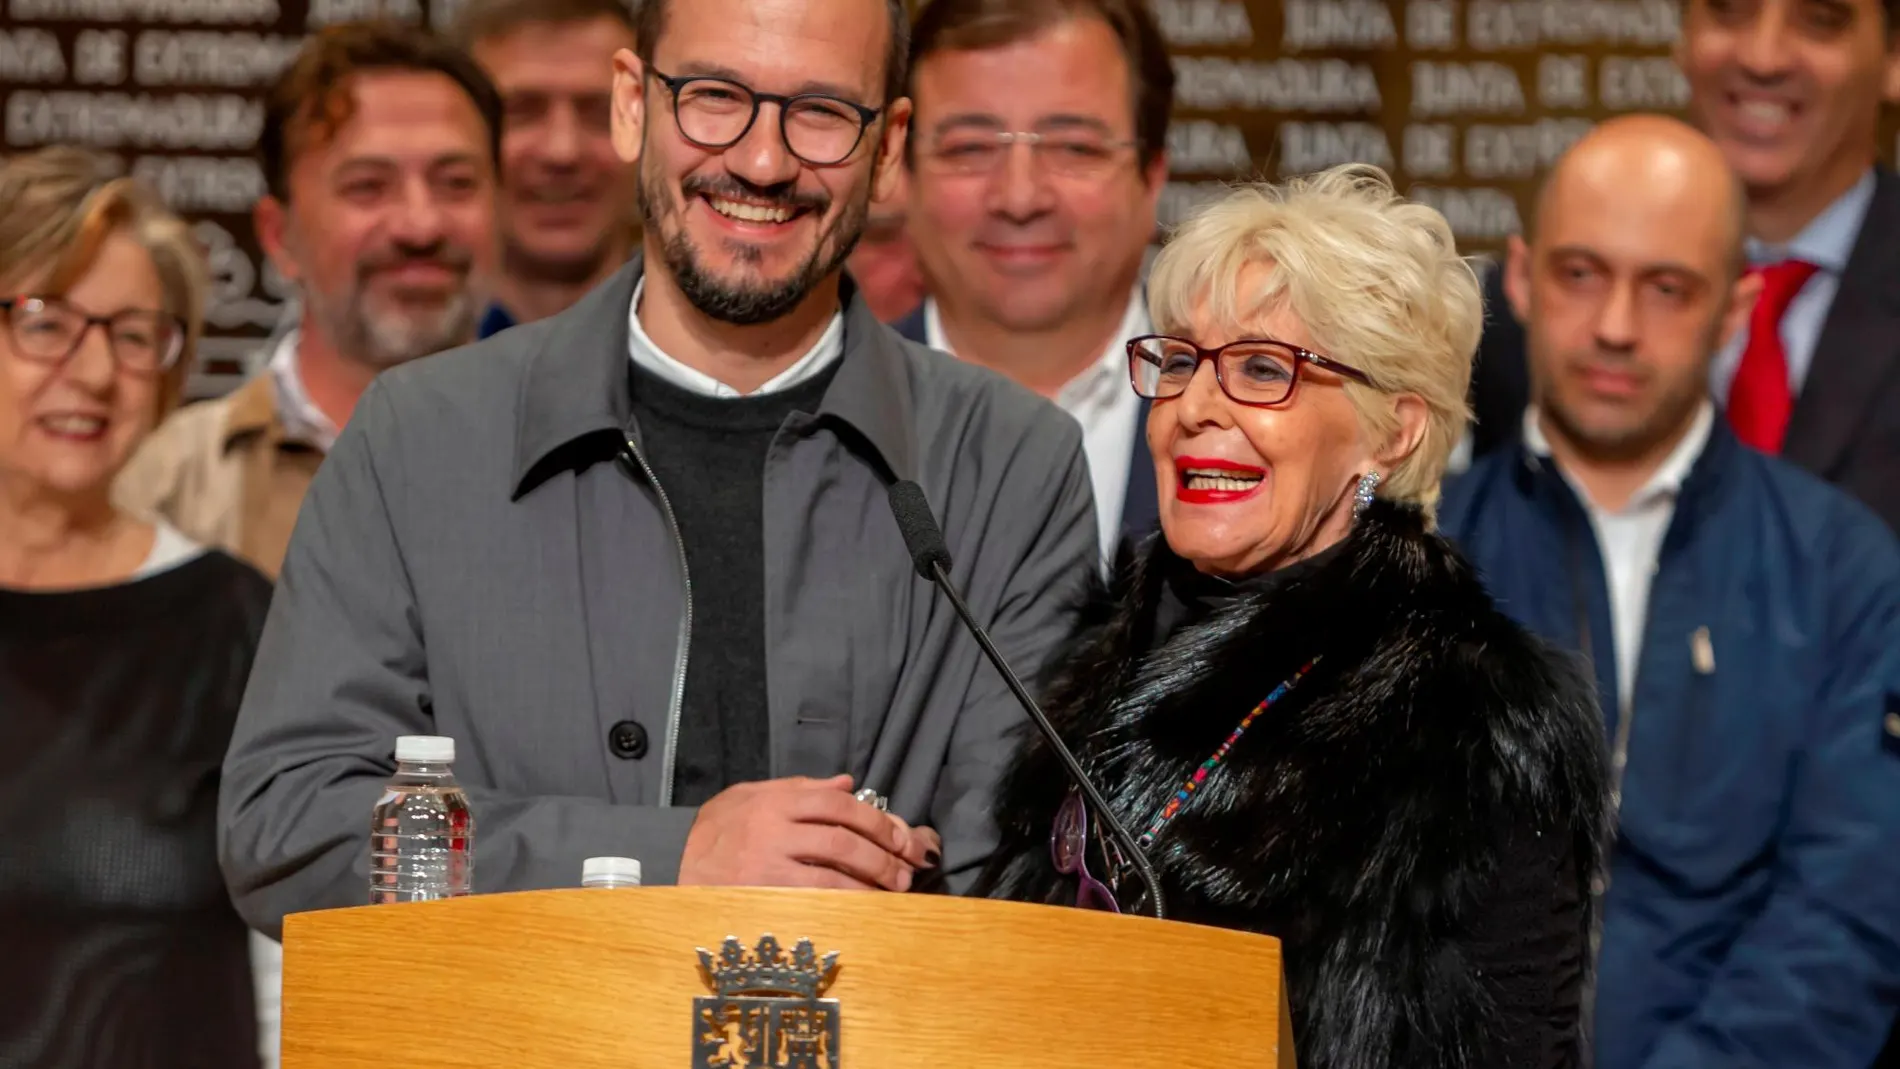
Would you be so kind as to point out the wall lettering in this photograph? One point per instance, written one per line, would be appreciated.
(1355, 25)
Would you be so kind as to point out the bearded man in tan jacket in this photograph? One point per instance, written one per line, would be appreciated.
(380, 150)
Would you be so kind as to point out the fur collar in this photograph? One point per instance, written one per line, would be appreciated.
(1362, 818)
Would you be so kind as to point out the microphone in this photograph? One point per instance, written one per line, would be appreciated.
(931, 556)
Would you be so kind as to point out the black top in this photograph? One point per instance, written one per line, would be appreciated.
(708, 454)
(1189, 595)
(116, 706)
(1524, 944)
(1417, 820)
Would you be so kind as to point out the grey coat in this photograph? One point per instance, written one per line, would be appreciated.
(484, 556)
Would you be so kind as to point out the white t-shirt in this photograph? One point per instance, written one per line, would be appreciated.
(169, 550)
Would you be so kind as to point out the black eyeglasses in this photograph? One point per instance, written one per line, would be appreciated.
(1251, 371)
(716, 113)
(48, 330)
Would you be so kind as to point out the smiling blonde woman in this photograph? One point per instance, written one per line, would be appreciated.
(1300, 699)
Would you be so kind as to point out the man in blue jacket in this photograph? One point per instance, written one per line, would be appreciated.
(1741, 616)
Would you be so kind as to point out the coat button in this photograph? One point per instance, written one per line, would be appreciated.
(1893, 724)
(627, 740)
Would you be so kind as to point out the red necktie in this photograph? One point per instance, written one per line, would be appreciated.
(1759, 400)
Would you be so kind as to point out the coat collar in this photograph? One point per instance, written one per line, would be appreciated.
(1857, 348)
(576, 383)
(251, 410)
(1696, 494)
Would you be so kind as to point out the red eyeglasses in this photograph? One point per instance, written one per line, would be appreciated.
(1253, 371)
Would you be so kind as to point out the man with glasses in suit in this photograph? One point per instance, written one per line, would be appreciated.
(1037, 155)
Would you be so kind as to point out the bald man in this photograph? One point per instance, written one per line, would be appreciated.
(1742, 618)
(1792, 92)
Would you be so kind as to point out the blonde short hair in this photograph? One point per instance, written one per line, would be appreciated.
(1377, 280)
(60, 206)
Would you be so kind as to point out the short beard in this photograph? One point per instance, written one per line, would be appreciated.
(741, 303)
(1635, 443)
(385, 341)
(1674, 409)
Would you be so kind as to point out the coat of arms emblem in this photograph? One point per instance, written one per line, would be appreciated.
(765, 1011)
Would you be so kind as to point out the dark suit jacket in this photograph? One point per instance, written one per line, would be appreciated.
(1141, 502)
(1846, 423)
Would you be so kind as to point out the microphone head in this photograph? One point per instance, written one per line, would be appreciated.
(921, 534)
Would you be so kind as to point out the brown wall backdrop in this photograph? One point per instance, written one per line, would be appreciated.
(174, 89)
(1465, 101)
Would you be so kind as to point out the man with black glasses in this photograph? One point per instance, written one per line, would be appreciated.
(637, 557)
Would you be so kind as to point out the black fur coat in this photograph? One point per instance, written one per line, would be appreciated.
(1417, 821)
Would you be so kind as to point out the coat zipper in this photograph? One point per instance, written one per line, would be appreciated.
(1619, 746)
(678, 698)
(1626, 710)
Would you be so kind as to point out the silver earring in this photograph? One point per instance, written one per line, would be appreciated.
(1362, 494)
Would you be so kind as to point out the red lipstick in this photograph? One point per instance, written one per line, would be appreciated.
(1248, 473)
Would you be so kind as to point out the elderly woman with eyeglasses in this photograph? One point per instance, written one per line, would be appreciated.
(123, 649)
(1299, 699)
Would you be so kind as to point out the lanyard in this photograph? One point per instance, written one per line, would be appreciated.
(1179, 799)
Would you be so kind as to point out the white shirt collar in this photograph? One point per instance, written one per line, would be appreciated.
(649, 357)
(1095, 383)
(1828, 239)
(1106, 380)
(1666, 480)
(1100, 399)
(302, 420)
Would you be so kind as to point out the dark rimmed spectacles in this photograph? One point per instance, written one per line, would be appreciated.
(48, 330)
(717, 113)
(1253, 371)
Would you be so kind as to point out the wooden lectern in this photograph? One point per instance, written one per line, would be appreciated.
(614, 979)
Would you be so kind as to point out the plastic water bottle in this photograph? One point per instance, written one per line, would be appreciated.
(610, 872)
(422, 835)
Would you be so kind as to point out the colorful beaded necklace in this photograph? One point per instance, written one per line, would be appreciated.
(1179, 798)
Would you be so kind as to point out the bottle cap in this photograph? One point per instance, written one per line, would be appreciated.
(619, 869)
(425, 749)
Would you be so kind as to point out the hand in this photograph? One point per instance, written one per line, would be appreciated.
(802, 832)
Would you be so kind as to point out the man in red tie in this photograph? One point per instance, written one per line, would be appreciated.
(1761, 389)
(1790, 91)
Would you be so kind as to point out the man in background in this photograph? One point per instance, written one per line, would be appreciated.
(1742, 618)
(380, 150)
(1791, 92)
(1037, 155)
(567, 219)
(884, 264)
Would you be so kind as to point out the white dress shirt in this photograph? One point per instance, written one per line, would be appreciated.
(1631, 538)
(303, 421)
(1103, 401)
(1826, 242)
(648, 357)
